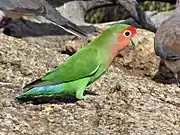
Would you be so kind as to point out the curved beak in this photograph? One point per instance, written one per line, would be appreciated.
(134, 41)
(134, 45)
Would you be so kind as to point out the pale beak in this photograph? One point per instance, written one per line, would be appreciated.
(134, 45)
(134, 41)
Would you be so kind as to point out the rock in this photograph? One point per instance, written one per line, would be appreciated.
(128, 101)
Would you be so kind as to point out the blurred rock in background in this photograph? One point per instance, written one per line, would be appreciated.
(117, 12)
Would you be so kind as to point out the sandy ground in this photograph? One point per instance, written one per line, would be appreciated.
(135, 96)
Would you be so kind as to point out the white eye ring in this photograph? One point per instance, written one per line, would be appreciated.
(127, 33)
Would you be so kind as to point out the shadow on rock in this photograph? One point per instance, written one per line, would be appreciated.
(24, 28)
(164, 75)
(52, 99)
(48, 99)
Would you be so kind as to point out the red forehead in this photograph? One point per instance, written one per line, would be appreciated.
(122, 41)
(132, 29)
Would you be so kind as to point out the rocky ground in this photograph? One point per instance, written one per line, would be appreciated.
(135, 96)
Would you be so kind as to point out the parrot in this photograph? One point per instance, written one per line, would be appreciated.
(83, 67)
(41, 10)
(167, 42)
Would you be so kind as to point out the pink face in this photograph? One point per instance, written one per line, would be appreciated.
(124, 38)
(125, 35)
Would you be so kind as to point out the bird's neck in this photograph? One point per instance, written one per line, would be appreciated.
(115, 51)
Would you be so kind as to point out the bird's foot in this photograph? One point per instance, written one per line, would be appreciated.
(88, 92)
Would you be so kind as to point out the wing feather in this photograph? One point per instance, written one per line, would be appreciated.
(82, 64)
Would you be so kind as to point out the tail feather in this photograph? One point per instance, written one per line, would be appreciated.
(43, 90)
(30, 85)
(40, 82)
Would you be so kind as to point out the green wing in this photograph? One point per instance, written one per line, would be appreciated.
(82, 64)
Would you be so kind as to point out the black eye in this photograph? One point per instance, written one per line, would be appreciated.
(127, 33)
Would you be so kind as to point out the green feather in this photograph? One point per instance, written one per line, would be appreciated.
(75, 67)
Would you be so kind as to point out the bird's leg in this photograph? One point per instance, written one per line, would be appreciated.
(177, 79)
(79, 93)
(81, 88)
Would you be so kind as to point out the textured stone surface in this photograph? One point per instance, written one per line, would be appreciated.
(128, 101)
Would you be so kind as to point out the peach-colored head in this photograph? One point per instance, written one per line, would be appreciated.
(114, 38)
(124, 36)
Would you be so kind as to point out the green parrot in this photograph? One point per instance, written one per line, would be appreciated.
(84, 67)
